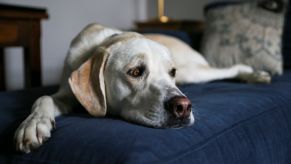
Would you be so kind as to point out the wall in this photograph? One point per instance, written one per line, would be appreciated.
(179, 9)
(66, 19)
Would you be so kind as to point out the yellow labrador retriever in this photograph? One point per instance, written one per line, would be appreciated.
(125, 74)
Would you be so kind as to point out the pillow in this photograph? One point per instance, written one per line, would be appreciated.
(244, 33)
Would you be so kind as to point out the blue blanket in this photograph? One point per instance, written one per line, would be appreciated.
(236, 123)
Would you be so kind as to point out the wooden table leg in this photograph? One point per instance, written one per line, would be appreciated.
(2, 69)
(32, 66)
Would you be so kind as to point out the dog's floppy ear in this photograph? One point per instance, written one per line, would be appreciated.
(87, 83)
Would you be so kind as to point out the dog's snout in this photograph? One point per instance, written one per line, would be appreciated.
(180, 106)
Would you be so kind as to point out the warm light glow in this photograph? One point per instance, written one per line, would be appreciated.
(164, 19)
(161, 8)
(161, 11)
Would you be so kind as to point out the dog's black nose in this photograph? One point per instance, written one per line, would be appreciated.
(180, 106)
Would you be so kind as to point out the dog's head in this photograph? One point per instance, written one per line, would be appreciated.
(132, 77)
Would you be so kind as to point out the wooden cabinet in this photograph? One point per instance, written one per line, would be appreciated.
(193, 28)
(21, 26)
(183, 25)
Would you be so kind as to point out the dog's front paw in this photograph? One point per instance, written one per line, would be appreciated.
(262, 77)
(259, 77)
(33, 132)
(256, 77)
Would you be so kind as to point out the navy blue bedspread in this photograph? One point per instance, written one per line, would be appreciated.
(236, 123)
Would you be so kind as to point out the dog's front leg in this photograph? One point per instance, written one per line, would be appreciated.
(36, 128)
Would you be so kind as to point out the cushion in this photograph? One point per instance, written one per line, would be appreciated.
(236, 123)
(244, 33)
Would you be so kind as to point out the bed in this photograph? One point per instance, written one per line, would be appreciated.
(235, 123)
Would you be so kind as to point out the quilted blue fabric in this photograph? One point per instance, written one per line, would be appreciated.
(236, 123)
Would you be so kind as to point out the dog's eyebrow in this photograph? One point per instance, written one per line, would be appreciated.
(113, 35)
(136, 62)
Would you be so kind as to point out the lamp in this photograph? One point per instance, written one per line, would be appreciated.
(161, 11)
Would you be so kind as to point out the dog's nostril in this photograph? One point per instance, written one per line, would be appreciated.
(189, 107)
(179, 108)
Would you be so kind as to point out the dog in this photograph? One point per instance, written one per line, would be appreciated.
(125, 74)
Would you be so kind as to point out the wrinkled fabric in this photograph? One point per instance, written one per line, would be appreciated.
(234, 123)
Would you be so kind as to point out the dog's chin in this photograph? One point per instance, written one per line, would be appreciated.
(177, 123)
(173, 123)
(170, 123)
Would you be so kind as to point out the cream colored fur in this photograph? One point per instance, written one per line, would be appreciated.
(114, 92)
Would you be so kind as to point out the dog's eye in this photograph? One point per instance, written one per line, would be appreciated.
(136, 72)
(173, 72)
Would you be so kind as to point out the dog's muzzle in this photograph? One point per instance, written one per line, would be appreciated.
(179, 106)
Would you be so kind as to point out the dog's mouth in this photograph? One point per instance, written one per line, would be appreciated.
(179, 123)
(175, 112)
(168, 121)
(173, 122)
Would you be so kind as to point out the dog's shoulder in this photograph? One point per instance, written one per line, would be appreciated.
(88, 39)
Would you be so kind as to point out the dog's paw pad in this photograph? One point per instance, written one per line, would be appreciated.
(33, 132)
(262, 77)
(256, 77)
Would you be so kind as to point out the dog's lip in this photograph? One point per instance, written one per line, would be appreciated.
(179, 123)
